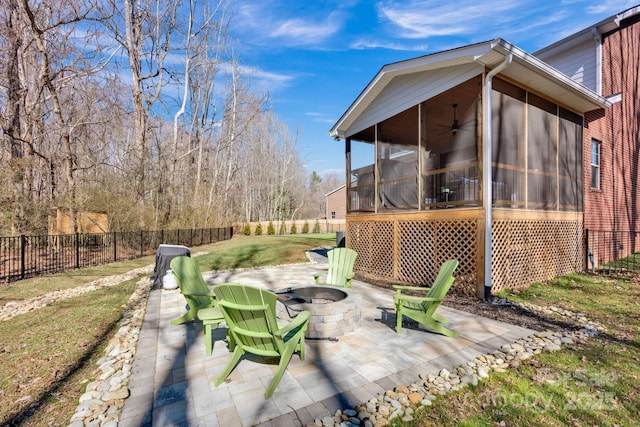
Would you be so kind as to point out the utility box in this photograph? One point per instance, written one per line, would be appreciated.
(164, 255)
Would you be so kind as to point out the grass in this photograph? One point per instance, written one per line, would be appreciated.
(36, 286)
(590, 383)
(48, 355)
(256, 251)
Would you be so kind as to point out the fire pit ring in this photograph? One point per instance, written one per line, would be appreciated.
(334, 311)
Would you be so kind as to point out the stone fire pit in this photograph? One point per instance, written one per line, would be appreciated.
(334, 311)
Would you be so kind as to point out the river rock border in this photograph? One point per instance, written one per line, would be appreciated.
(16, 308)
(103, 399)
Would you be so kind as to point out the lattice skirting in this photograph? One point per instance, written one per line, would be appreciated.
(410, 250)
(532, 251)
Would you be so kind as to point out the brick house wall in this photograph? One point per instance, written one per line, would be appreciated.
(616, 205)
(337, 203)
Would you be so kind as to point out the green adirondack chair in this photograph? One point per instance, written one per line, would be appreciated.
(200, 300)
(422, 309)
(250, 314)
(340, 271)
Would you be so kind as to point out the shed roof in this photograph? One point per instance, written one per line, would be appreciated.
(335, 190)
(524, 68)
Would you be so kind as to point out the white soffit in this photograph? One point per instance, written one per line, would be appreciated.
(406, 90)
(543, 78)
(525, 69)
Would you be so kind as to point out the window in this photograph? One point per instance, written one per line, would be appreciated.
(595, 164)
(333, 215)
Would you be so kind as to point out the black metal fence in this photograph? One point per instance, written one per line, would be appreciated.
(613, 251)
(27, 256)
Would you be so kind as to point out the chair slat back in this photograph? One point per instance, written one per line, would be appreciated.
(250, 316)
(441, 285)
(341, 261)
(190, 280)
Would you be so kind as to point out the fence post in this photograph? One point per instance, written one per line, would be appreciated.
(141, 245)
(23, 244)
(77, 250)
(586, 252)
(115, 251)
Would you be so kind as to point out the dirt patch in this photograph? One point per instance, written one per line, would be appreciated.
(506, 312)
(500, 310)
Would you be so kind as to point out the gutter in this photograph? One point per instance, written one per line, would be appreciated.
(488, 174)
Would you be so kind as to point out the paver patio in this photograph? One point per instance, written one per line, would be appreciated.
(172, 379)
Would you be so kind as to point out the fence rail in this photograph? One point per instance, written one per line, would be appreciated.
(28, 256)
(613, 251)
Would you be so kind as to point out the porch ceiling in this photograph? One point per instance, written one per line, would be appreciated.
(525, 68)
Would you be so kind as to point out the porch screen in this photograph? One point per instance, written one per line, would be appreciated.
(536, 151)
(398, 168)
(542, 146)
(361, 191)
(509, 148)
(570, 161)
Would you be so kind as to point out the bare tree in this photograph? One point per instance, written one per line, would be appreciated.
(45, 67)
(11, 126)
(144, 29)
(74, 137)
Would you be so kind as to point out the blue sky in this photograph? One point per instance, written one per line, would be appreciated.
(315, 57)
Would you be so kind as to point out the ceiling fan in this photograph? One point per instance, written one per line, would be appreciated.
(455, 126)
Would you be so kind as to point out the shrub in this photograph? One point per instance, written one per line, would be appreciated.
(258, 231)
(316, 227)
(246, 230)
(305, 228)
(293, 230)
(271, 230)
(283, 228)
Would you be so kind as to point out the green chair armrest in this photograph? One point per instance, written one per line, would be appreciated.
(400, 288)
(210, 313)
(409, 298)
(200, 294)
(316, 277)
(297, 321)
(411, 288)
(247, 307)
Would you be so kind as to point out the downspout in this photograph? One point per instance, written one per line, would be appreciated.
(487, 196)
(598, 40)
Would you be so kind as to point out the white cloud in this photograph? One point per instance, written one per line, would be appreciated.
(363, 44)
(319, 117)
(307, 32)
(272, 22)
(421, 19)
(605, 5)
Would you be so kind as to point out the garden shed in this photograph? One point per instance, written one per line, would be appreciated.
(473, 153)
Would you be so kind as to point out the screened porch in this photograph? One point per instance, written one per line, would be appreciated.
(429, 155)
